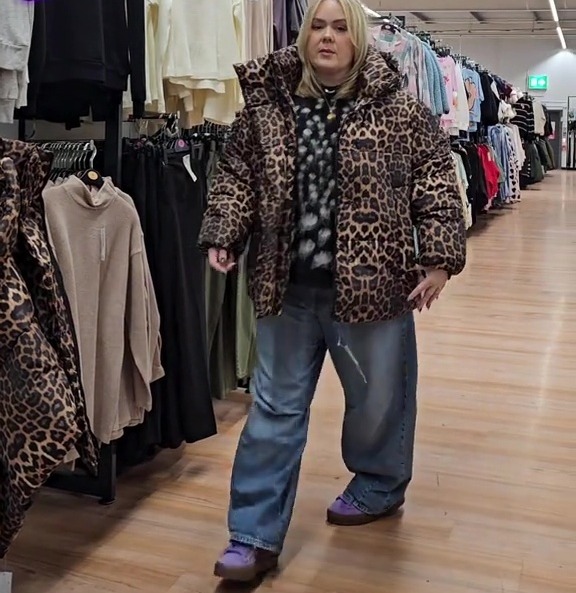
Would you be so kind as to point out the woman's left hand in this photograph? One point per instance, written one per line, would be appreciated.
(429, 288)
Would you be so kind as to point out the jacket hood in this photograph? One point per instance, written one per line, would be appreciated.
(265, 79)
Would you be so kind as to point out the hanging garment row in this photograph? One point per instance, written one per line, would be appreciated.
(417, 62)
(49, 71)
(166, 177)
(225, 354)
(131, 285)
(492, 172)
(535, 128)
(467, 97)
(571, 145)
(191, 50)
(43, 410)
(488, 173)
(508, 129)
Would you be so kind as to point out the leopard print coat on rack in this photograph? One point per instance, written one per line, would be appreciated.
(398, 205)
(42, 406)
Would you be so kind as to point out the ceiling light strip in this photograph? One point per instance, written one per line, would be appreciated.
(373, 14)
(554, 11)
(561, 36)
(556, 19)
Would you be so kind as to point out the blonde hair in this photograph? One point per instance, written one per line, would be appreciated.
(357, 26)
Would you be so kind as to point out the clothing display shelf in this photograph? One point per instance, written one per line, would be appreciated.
(72, 157)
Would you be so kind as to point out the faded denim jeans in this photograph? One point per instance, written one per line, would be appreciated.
(377, 366)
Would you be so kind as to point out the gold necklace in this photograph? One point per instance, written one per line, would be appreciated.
(331, 107)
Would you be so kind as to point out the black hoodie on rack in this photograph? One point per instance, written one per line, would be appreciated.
(491, 104)
(87, 49)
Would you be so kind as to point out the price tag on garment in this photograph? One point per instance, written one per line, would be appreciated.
(186, 161)
(5, 582)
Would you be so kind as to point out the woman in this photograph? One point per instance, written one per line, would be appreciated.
(345, 186)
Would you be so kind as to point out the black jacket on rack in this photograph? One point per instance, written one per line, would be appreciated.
(82, 54)
(477, 191)
(548, 131)
(490, 106)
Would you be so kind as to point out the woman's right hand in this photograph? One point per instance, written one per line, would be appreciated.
(220, 260)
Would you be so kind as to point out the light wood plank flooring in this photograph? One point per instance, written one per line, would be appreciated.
(492, 508)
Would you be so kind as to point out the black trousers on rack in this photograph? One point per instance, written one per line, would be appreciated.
(171, 200)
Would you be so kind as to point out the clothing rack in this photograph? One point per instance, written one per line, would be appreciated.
(571, 133)
(70, 157)
(437, 45)
(170, 128)
(207, 130)
(153, 116)
(79, 481)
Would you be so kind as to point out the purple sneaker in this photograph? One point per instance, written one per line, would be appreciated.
(347, 515)
(243, 563)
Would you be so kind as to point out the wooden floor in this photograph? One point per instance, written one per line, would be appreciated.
(493, 504)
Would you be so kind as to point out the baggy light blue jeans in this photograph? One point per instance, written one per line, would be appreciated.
(377, 366)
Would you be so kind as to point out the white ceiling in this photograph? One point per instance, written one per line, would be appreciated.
(483, 18)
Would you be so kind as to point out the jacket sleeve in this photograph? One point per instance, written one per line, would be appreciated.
(228, 218)
(436, 203)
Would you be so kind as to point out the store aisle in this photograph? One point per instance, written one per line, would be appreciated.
(491, 508)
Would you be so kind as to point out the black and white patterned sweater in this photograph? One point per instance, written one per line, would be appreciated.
(316, 189)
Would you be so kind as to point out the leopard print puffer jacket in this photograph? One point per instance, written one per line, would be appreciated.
(42, 408)
(398, 201)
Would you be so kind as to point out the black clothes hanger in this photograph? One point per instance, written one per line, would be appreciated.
(391, 23)
(91, 178)
(443, 51)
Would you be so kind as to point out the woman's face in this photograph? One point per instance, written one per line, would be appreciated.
(330, 49)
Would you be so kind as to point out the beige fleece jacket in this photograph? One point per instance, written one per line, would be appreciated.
(98, 242)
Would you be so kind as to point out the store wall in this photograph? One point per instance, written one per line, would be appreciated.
(514, 59)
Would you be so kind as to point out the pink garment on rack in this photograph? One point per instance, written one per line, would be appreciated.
(448, 67)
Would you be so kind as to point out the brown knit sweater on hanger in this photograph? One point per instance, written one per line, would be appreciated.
(98, 242)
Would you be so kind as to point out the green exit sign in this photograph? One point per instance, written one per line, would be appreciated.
(538, 82)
